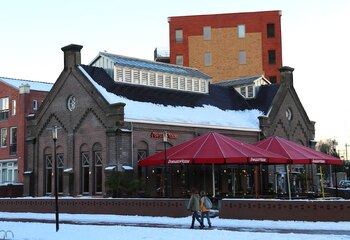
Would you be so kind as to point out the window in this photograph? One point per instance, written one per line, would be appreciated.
(152, 79)
(207, 33)
(273, 79)
(85, 172)
(241, 31)
(160, 80)
(250, 92)
(179, 60)
(167, 81)
(98, 171)
(144, 78)
(136, 76)
(242, 57)
(243, 91)
(270, 30)
(35, 104)
(8, 171)
(178, 35)
(247, 91)
(48, 173)
(3, 136)
(127, 75)
(60, 166)
(141, 154)
(13, 141)
(272, 56)
(289, 114)
(207, 59)
(4, 108)
(13, 106)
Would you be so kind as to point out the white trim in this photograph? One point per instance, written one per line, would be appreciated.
(7, 160)
(191, 125)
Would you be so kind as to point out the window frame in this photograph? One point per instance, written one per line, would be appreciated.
(242, 57)
(207, 32)
(35, 104)
(3, 137)
(178, 35)
(270, 30)
(179, 60)
(208, 59)
(241, 30)
(13, 107)
(271, 56)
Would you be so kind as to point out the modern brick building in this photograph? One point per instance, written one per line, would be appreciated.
(18, 99)
(228, 46)
(113, 112)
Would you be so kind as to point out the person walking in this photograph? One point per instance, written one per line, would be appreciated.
(206, 205)
(194, 207)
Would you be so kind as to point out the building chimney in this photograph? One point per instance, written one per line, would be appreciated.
(287, 75)
(24, 88)
(72, 56)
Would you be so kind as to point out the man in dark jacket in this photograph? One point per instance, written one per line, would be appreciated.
(194, 207)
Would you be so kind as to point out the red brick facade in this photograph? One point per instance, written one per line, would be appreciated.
(24, 105)
(225, 45)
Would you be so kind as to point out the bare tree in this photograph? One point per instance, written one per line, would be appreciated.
(328, 146)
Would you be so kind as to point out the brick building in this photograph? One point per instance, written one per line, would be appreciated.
(111, 113)
(18, 99)
(228, 46)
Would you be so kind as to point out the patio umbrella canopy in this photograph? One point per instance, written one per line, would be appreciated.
(213, 148)
(296, 153)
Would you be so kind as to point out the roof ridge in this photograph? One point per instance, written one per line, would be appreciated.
(19, 79)
(151, 61)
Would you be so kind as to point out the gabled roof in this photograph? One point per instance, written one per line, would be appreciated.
(34, 85)
(241, 81)
(152, 65)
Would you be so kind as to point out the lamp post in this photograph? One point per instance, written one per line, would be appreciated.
(54, 137)
(165, 172)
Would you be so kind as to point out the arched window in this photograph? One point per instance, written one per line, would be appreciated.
(85, 169)
(98, 166)
(48, 163)
(60, 167)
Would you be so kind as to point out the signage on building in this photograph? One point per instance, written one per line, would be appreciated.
(160, 135)
(182, 161)
(319, 161)
(263, 160)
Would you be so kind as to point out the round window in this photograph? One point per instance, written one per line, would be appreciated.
(289, 114)
(71, 103)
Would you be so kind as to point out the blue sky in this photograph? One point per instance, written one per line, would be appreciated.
(315, 41)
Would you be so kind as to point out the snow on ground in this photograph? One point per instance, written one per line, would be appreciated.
(36, 231)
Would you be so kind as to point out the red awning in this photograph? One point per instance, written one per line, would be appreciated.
(213, 148)
(296, 153)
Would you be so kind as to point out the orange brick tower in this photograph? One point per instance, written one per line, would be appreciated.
(228, 46)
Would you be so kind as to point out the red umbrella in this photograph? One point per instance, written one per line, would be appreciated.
(296, 153)
(213, 148)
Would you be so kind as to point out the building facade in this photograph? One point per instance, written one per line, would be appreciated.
(228, 46)
(112, 113)
(18, 99)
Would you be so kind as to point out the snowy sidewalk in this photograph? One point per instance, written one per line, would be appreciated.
(325, 228)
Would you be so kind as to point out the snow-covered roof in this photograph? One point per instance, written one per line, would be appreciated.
(242, 81)
(198, 115)
(34, 85)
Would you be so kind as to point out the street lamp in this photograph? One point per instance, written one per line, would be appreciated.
(165, 173)
(54, 137)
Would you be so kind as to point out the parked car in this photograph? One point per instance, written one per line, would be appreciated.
(344, 184)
